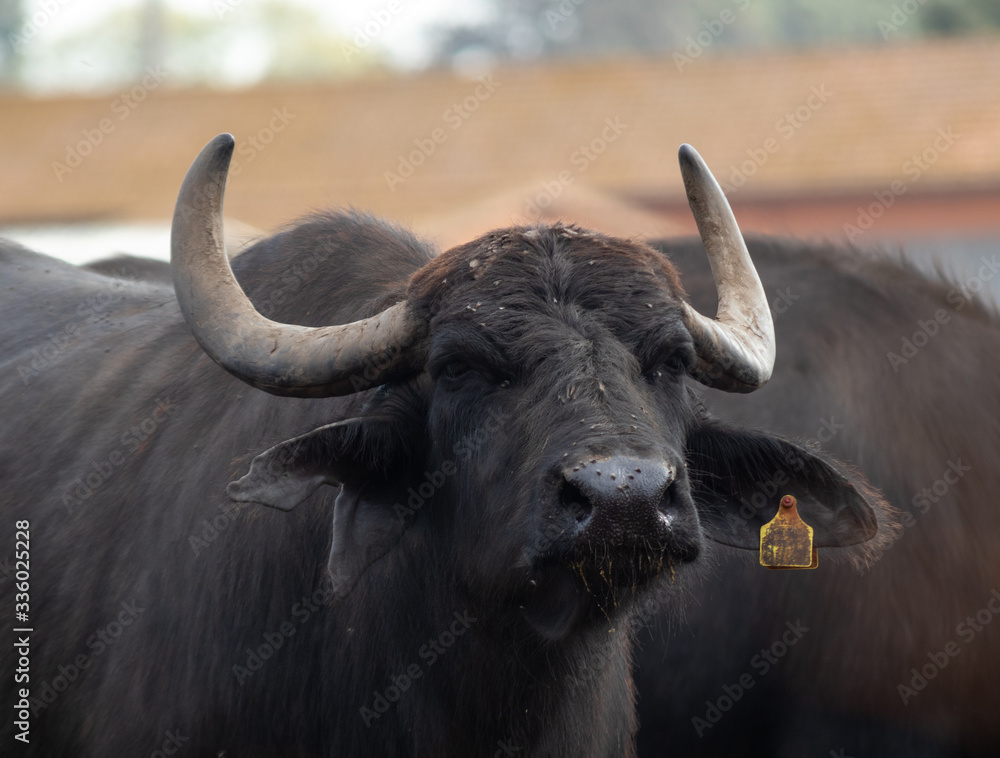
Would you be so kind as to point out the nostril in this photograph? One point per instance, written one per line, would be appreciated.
(670, 499)
(574, 502)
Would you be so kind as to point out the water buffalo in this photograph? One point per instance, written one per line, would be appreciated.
(516, 465)
(896, 372)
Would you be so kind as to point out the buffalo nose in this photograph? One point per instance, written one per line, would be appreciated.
(618, 495)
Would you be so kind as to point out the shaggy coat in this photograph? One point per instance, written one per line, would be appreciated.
(444, 598)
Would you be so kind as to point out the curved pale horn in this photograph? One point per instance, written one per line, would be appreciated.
(282, 359)
(736, 348)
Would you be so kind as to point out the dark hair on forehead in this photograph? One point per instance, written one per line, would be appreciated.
(539, 257)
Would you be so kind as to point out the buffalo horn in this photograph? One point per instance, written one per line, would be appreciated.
(282, 359)
(736, 348)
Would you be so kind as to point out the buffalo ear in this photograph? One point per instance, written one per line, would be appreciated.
(369, 457)
(365, 528)
(355, 455)
(286, 474)
(378, 441)
(738, 477)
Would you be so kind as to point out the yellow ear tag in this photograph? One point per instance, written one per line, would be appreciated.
(786, 541)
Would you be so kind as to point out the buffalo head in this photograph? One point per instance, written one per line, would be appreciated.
(531, 410)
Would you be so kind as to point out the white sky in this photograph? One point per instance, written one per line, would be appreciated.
(404, 39)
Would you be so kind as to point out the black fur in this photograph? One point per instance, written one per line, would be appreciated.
(838, 315)
(548, 347)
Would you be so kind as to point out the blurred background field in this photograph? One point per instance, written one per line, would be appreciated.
(870, 122)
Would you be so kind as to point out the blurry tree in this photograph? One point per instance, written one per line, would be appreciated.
(152, 34)
(11, 21)
(59, 45)
(956, 17)
(526, 29)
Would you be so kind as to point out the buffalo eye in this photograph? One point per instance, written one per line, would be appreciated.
(677, 363)
(457, 374)
(674, 364)
(457, 371)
